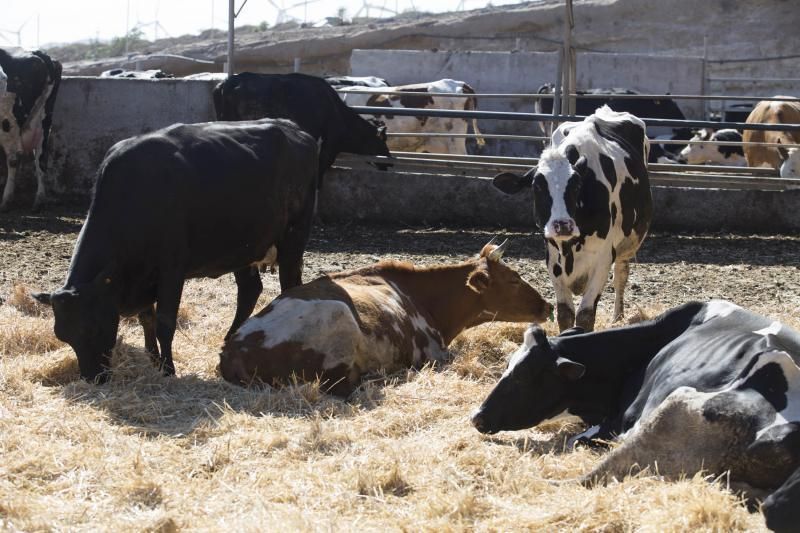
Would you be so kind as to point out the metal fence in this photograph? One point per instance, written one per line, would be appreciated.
(699, 176)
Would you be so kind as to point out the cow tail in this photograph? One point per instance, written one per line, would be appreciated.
(217, 96)
(472, 105)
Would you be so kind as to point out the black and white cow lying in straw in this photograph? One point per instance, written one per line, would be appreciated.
(714, 154)
(27, 99)
(591, 199)
(704, 386)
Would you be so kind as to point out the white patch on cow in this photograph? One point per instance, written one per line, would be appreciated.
(556, 169)
(790, 167)
(772, 329)
(719, 309)
(325, 326)
(791, 413)
(269, 260)
(522, 351)
(3, 81)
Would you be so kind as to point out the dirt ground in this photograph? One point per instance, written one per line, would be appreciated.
(751, 270)
(150, 453)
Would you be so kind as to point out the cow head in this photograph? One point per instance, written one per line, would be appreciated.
(698, 154)
(535, 387)
(557, 185)
(503, 293)
(87, 319)
(790, 162)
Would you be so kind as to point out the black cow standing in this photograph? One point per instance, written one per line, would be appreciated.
(592, 201)
(705, 386)
(187, 201)
(26, 113)
(309, 101)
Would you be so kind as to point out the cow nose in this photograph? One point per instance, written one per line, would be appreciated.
(478, 421)
(563, 227)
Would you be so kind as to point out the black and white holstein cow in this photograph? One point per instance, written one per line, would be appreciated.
(307, 100)
(704, 386)
(423, 96)
(592, 201)
(714, 154)
(27, 97)
(186, 201)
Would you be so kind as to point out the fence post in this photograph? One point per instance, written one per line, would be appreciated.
(704, 82)
(569, 71)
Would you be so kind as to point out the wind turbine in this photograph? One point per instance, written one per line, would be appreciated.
(18, 32)
(366, 6)
(283, 10)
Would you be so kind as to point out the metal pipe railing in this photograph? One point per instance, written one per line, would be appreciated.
(540, 117)
(379, 90)
(657, 177)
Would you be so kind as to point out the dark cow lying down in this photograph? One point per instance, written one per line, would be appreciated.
(187, 201)
(387, 316)
(705, 386)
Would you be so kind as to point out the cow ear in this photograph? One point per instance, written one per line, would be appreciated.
(478, 281)
(43, 297)
(569, 369)
(511, 183)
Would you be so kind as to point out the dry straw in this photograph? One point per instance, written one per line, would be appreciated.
(150, 453)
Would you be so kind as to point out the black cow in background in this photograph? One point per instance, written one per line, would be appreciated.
(186, 201)
(26, 113)
(641, 107)
(310, 102)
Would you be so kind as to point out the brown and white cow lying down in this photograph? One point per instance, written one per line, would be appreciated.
(389, 316)
(787, 162)
(419, 98)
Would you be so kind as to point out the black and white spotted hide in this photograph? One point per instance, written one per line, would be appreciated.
(592, 201)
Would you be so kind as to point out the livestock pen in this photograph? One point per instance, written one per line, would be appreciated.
(152, 453)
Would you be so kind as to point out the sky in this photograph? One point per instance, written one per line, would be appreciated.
(43, 22)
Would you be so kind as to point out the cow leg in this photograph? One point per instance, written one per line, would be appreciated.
(170, 288)
(587, 309)
(248, 287)
(565, 308)
(147, 319)
(621, 271)
(293, 244)
(41, 191)
(8, 192)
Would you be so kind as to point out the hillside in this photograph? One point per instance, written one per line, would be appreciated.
(735, 30)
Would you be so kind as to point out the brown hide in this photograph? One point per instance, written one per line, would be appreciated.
(767, 112)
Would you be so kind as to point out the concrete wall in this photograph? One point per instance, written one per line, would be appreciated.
(92, 114)
(525, 72)
(374, 196)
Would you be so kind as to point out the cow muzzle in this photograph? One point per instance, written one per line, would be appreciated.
(479, 422)
(560, 229)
